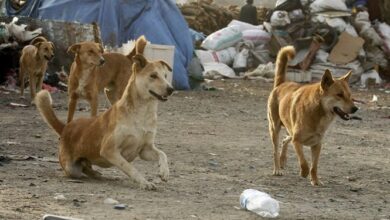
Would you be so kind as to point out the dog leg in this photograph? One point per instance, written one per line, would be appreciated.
(87, 170)
(111, 95)
(283, 154)
(93, 102)
(109, 152)
(71, 107)
(151, 153)
(32, 87)
(274, 132)
(39, 82)
(315, 155)
(73, 170)
(301, 158)
(21, 79)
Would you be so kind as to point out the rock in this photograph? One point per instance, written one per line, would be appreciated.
(59, 197)
(110, 201)
(213, 163)
(120, 206)
(355, 189)
(32, 184)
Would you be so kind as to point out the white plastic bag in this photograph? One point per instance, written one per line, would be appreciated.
(225, 56)
(241, 59)
(243, 26)
(215, 70)
(280, 18)
(337, 23)
(223, 38)
(328, 5)
(257, 36)
(260, 203)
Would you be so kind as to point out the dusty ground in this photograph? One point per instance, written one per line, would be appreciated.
(218, 145)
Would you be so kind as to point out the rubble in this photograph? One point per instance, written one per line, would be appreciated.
(326, 34)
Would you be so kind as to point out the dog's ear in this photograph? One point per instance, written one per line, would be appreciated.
(100, 47)
(139, 60)
(38, 45)
(327, 80)
(74, 48)
(52, 45)
(165, 64)
(346, 76)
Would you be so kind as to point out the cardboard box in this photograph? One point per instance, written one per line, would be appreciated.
(161, 52)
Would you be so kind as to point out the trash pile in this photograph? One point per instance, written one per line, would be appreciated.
(206, 17)
(327, 34)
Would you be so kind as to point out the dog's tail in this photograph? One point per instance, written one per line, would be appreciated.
(285, 54)
(44, 105)
(139, 47)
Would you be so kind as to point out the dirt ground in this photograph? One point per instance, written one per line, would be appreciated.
(217, 143)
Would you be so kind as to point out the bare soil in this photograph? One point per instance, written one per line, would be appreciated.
(217, 143)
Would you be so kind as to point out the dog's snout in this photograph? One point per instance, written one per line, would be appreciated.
(102, 61)
(354, 109)
(170, 90)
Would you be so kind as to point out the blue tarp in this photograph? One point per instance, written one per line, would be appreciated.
(159, 20)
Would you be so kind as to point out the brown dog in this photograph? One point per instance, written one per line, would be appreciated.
(305, 111)
(33, 63)
(119, 135)
(92, 71)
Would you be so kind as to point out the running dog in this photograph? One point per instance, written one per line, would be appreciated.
(117, 136)
(306, 111)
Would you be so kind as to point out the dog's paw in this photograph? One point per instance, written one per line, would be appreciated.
(316, 183)
(277, 173)
(147, 186)
(283, 162)
(304, 170)
(164, 174)
(32, 103)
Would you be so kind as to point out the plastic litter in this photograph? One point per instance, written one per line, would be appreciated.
(260, 203)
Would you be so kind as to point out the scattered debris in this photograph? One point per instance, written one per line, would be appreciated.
(57, 217)
(110, 201)
(120, 206)
(12, 104)
(59, 196)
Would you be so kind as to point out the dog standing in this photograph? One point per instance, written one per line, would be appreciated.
(33, 63)
(119, 135)
(305, 111)
(92, 71)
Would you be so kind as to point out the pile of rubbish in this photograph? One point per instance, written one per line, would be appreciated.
(207, 17)
(327, 34)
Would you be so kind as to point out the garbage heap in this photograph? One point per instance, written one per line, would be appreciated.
(327, 34)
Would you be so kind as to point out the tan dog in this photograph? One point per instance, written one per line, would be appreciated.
(88, 75)
(305, 111)
(119, 135)
(33, 63)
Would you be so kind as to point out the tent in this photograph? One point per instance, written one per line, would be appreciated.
(159, 20)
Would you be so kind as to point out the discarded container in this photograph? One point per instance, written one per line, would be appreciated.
(161, 52)
(260, 203)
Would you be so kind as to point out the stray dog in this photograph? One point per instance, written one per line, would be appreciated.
(92, 71)
(305, 111)
(33, 62)
(117, 136)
